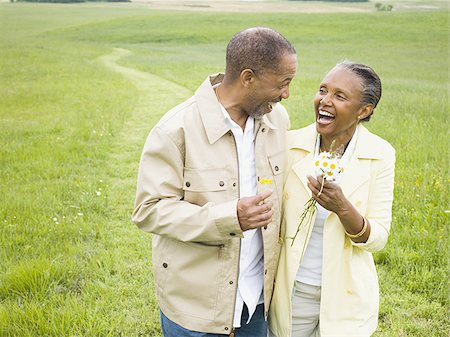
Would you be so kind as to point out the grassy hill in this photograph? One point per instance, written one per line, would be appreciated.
(82, 85)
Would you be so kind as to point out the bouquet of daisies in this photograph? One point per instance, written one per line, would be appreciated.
(326, 165)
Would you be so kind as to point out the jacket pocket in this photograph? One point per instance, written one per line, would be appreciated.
(193, 279)
(276, 163)
(162, 254)
(205, 185)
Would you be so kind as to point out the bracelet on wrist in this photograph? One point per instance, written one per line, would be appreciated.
(361, 233)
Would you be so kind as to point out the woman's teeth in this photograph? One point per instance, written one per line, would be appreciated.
(325, 114)
(325, 117)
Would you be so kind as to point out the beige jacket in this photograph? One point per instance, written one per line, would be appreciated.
(349, 303)
(187, 193)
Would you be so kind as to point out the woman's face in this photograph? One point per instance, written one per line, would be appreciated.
(338, 105)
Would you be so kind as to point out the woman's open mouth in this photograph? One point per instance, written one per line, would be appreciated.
(325, 117)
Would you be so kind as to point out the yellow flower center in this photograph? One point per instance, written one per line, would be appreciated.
(265, 181)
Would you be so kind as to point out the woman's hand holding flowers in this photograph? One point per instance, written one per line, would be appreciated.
(331, 197)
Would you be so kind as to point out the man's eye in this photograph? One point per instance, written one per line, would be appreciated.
(341, 97)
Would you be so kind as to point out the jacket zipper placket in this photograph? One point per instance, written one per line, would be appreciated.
(237, 273)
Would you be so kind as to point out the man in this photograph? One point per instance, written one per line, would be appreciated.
(216, 231)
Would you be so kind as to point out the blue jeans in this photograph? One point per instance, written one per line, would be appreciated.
(257, 327)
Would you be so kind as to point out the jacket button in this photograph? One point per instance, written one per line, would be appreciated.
(188, 184)
(265, 227)
(232, 234)
(165, 265)
(265, 272)
(231, 282)
(226, 328)
(221, 183)
(263, 130)
(276, 168)
(234, 184)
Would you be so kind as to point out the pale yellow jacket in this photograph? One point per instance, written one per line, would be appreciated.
(349, 302)
(188, 188)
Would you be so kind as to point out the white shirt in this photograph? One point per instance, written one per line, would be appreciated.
(310, 269)
(251, 262)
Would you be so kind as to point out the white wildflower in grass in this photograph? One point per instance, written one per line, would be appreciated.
(98, 193)
(80, 214)
(327, 166)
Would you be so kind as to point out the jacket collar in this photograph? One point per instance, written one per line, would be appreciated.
(358, 168)
(364, 149)
(211, 113)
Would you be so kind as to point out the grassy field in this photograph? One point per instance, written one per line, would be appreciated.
(81, 87)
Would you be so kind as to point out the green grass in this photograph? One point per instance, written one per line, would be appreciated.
(73, 264)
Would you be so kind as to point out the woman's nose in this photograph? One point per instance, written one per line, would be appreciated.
(324, 100)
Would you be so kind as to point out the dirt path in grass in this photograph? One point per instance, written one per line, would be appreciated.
(156, 96)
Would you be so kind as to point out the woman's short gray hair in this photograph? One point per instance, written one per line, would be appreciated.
(371, 83)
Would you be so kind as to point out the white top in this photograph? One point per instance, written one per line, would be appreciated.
(310, 269)
(251, 262)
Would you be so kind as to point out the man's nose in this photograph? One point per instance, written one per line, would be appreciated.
(285, 93)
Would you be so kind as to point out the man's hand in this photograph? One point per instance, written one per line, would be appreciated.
(253, 212)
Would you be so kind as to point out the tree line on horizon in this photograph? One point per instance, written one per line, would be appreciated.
(68, 1)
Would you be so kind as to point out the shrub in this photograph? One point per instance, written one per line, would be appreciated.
(381, 8)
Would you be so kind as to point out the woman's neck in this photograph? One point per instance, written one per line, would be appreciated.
(337, 145)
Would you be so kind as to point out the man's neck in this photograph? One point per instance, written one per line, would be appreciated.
(226, 95)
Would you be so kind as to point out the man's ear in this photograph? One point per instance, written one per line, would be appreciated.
(247, 77)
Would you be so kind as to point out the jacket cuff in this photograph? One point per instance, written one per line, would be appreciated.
(225, 217)
(376, 241)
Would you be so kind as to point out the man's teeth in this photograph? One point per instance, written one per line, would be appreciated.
(325, 113)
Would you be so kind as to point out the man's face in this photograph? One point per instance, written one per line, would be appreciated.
(269, 88)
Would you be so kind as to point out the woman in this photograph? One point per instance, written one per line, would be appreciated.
(326, 283)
